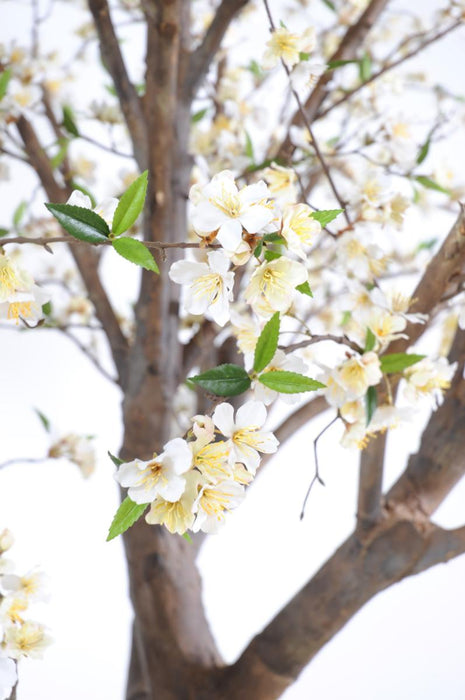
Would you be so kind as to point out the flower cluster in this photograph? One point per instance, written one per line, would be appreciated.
(19, 637)
(194, 482)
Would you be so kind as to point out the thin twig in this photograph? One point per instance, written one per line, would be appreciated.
(68, 239)
(341, 339)
(23, 460)
(316, 476)
(307, 125)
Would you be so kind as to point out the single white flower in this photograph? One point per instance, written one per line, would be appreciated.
(33, 585)
(358, 373)
(246, 438)
(212, 459)
(281, 182)
(208, 287)
(287, 46)
(20, 298)
(213, 502)
(386, 326)
(160, 476)
(27, 639)
(226, 210)
(299, 228)
(428, 378)
(275, 282)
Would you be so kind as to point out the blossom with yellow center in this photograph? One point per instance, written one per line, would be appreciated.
(275, 282)
(211, 458)
(281, 182)
(286, 46)
(222, 208)
(208, 286)
(246, 439)
(160, 476)
(358, 373)
(28, 639)
(428, 378)
(176, 516)
(213, 502)
(299, 228)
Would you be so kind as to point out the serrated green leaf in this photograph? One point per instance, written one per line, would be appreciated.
(135, 252)
(224, 380)
(423, 152)
(325, 216)
(364, 68)
(249, 147)
(69, 121)
(43, 419)
(125, 516)
(258, 248)
(370, 340)
(130, 205)
(19, 212)
(267, 343)
(116, 460)
(198, 116)
(371, 401)
(289, 382)
(430, 184)
(81, 223)
(304, 288)
(5, 78)
(398, 361)
(270, 255)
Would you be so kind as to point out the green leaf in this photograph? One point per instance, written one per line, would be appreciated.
(325, 216)
(224, 380)
(4, 232)
(116, 460)
(5, 78)
(255, 69)
(81, 223)
(430, 184)
(364, 68)
(424, 150)
(267, 344)
(289, 382)
(198, 116)
(69, 122)
(19, 212)
(304, 288)
(187, 537)
(249, 147)
(371, 401)
(273, 238)
(130, 205)
(47, 308)
(304, 56)
(370, 340)
(135, 252)
(125, 516)
(346, 316)
(398, 361)
(258, 248)
(43, 419)
(270, 255)
(337, 64)
(60, 155)
(426, 245)
(330, 4)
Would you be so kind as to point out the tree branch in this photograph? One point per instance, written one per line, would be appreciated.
(113, 61)
(204, 54)
(84, 257)
(371, 481)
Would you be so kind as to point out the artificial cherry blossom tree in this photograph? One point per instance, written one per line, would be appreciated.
(264, 201)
